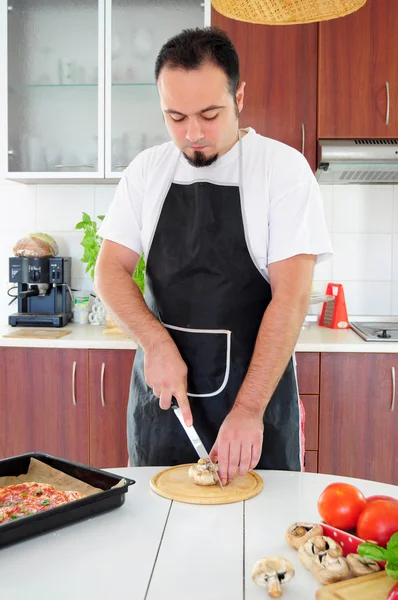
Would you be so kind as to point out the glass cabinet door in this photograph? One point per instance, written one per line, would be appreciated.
(55, 88)
(136, 30)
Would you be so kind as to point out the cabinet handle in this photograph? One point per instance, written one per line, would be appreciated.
(302, 138)
(120, 166)
(102, 384)
(73, 166)
(73, 383)
(388, 103)
(393, 389)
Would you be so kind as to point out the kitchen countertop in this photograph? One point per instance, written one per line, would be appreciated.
(155, 549)
(311, 339)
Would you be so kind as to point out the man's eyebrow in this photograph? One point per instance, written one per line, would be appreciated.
(208, 108)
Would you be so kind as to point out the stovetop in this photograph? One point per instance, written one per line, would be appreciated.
(386, 331)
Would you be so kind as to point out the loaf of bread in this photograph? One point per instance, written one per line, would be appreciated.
(36, 245)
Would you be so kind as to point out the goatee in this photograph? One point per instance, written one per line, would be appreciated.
(200, 160)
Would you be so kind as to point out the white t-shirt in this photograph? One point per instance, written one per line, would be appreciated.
(281, 203)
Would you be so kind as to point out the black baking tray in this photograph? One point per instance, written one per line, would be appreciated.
(76, 510)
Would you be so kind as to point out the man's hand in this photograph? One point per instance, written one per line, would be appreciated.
(238, 445)
(166, 373)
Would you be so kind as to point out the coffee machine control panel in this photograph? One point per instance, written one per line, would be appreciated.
(40, 270)
(56, 271)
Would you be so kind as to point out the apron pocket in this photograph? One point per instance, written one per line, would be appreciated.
(207, 354)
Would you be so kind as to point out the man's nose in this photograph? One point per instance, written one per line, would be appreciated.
(194, 131)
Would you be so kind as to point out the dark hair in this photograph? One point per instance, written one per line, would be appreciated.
(191, 48)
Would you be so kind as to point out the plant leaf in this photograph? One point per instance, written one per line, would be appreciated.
(86, 219)
(372, 551)
(392, 547)
(101, 217)
(79, 225)
(392, 569)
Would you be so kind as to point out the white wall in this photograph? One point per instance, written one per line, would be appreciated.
(363, 223)
(362, 220)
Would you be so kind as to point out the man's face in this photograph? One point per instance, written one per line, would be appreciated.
(200, 112)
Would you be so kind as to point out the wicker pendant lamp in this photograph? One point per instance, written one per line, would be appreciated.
(285, 12)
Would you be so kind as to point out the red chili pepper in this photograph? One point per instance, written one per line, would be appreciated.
(393, 595)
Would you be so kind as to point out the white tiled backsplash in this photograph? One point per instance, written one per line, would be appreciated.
(362, 220)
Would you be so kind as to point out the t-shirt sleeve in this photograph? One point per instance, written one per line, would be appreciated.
(123, 221)
(297, 224)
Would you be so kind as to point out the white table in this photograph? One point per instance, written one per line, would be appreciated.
(155, 549)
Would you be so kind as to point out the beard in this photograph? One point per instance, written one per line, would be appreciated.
(200, 160)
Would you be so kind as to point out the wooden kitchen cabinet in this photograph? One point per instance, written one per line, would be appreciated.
(279, 66)
(308, 365)
(308, 372)
(43, 404)
(311, 461)
(109, 376)
(358, 58)
(311, 407)
(358, 429)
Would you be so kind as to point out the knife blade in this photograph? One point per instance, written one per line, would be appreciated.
(195, 440)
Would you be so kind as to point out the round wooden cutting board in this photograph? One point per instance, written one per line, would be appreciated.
(174, 483)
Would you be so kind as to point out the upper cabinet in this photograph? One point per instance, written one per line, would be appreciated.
(279, 66)
(358, 73)
(55, 88)
(78, 98)
(135, 32)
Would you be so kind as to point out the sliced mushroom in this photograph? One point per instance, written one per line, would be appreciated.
(330, 567)
(203, 472)
(320, 544)
(359, 565)
(272, 572)
(298, 533)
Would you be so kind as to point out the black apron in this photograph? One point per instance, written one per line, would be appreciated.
(203, 285)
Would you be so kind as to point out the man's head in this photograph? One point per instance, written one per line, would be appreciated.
(201, 97)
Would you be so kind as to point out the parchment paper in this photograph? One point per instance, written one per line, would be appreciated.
(39, 472)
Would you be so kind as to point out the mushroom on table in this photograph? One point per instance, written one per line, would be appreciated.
(298, 533)
(359, 565)
(330, 567)
(320, 544)
(272, 572)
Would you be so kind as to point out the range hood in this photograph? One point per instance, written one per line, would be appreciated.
(358, 161)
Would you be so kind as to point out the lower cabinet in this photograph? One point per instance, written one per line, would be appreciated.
(43, 402)
(67, 402)
(358, 432)
(109, 377)
(311, 461)
(308, 364)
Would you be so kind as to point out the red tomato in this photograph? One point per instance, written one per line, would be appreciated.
(393, 593)
(378, 521)
(370, 499)
(340, 505)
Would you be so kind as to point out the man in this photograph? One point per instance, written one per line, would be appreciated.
(230, 224)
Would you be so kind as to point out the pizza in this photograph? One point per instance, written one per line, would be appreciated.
(24, 499)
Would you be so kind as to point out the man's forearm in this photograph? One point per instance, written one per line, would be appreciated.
(123, 299)
(275, 344)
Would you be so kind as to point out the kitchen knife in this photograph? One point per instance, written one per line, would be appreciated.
(195, 439)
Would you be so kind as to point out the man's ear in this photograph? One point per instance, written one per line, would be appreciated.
(240, 92)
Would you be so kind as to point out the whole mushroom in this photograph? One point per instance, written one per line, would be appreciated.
(320, 544)
(298, 533)
(330, 567)
(203, 472)
(359, 565)
(272, 572)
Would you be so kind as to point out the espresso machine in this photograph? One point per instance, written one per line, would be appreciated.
(44, 295)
